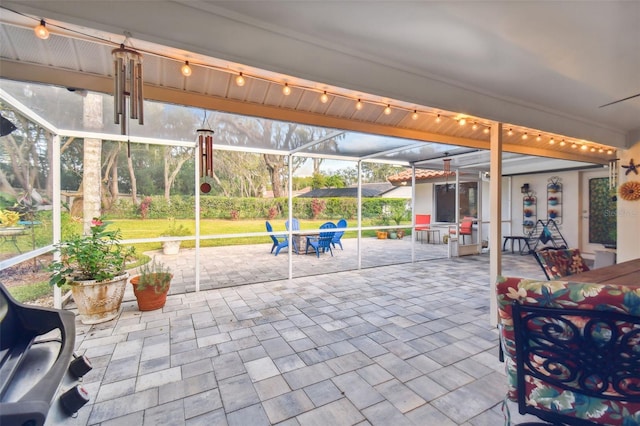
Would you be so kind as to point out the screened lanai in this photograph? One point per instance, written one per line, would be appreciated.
(62, 113)
(77, 65)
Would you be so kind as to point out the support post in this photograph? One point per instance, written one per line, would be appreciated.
(495, 224)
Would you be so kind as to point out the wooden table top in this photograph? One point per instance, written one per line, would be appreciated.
(625, 273)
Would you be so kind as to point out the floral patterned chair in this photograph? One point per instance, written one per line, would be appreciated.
(565, 337)
(558, 263)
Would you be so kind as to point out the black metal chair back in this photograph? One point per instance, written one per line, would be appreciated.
(589, 355)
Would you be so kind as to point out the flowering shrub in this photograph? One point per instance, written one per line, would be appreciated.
(98, 256)
(273, 212)
(317, 207)
(9, 218)
(144, 207)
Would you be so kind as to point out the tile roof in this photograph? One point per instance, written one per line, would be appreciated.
(421, 175)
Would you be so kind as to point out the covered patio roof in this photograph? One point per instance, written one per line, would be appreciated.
(78, 57)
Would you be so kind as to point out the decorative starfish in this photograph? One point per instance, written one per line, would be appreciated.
(630, 168)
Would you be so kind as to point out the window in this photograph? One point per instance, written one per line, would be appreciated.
(445, 201)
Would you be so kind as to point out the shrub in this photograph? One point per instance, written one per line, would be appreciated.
(317, 207)
(144, 207)
(273, 212)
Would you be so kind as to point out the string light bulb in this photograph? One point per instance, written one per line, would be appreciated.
(41, 30)
(462, 121)
(414, 116)
(486, 130)
(593, 149)
(324, 98)
(552, 141)
(562, 142)
(286, 90)
(438, 119)
(186, 69)
(475, 126)
(539, 138)
(359, 105)
(240, 81)
(510, 132)
(610, 152)
(574, 146)
(387, 110)
(584, 147)
(601, 150)
(525, 136)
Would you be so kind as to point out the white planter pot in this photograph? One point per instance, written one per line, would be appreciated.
(99, 301)
(171, 247)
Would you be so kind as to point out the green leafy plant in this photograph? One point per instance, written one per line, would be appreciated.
(98, 256)
(398, 214)
(176, 230)
(154, 274)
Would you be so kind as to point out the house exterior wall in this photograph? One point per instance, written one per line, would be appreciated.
(571, 214)
(628, 247)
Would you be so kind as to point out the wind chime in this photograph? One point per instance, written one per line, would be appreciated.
(205, 144)
(446, 167)
(127, 83)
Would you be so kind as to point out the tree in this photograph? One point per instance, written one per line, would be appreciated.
(334, 181)
(174, 158)
(375, 172)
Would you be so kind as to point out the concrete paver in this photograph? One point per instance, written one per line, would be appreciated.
(399, 344)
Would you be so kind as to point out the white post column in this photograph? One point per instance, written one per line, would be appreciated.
(358, 249)
(196, 213)
(57, 211)
(495, 224)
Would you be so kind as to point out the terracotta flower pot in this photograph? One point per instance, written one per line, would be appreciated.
(148, 298)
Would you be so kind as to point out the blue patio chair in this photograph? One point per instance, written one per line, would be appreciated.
(277, 244)
(295, 227)
(338, 235)
(323, 241)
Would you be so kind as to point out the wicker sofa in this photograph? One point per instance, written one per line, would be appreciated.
(567, 295)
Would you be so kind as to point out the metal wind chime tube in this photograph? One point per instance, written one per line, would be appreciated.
(205, 139)
(127, 82)
(205, 144)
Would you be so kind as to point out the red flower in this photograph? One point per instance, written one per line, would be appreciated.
(96, 222)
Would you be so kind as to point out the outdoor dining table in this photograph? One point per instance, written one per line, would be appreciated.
(625, 273)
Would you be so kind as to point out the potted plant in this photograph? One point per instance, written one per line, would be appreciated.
(383, 220)
(94, 266)
(151, 285)
(174, 230)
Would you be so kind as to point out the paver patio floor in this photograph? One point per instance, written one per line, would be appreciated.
(407, 344)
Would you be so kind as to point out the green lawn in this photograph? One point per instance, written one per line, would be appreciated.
(151, 228)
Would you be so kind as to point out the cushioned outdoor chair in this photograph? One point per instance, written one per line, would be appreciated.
(570, 362)
(558, 263)
(338, 235)
(465, 228)
(279, 241)
(323, 241)
(571, 350)
(423, 224)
